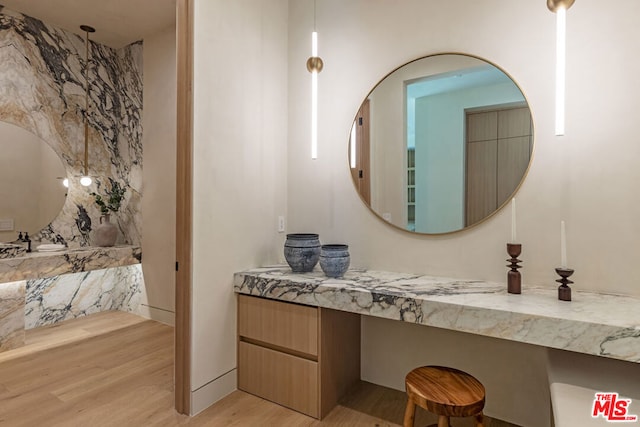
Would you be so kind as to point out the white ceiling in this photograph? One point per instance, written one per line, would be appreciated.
(117, 22)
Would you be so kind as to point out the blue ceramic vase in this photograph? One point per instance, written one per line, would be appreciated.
(334, 260)
(302, 251)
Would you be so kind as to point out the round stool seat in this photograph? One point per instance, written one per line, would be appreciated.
(444, 391)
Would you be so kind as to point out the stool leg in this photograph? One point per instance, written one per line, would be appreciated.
(479, 419)
(409, 413)
(443, 421)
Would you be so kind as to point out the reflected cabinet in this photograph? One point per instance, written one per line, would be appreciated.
(498, 150)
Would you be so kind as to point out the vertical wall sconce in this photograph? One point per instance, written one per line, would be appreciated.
(559, 7)
(314, 65)
(86, 179)
(352, 147)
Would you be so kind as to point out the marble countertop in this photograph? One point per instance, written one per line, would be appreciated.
(36, 265)
(598, 324)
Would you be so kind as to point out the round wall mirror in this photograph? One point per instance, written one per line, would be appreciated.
(441, 144)
(31, 189)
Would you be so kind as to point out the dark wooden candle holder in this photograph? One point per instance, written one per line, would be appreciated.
(514, 280)
(564, 290)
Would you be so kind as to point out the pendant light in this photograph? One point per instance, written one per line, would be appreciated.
(560, 7)
(86, 180)
(314, 65)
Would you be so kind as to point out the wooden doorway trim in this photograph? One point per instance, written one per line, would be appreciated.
(184, 197)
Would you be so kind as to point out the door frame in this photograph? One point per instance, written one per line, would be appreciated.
(184, 199)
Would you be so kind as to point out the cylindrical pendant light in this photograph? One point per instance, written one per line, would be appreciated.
(314, 65)
(86, 179)
(560, 8)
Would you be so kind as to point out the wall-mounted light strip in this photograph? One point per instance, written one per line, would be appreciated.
(560, 68)
(314, 99)
(560, 8)
(314, 65)
(352, 146)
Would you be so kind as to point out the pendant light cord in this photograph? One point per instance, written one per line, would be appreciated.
(86, 105)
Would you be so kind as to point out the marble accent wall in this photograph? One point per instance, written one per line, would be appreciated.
(42, 90)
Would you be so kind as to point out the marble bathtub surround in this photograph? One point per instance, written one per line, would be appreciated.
(42, 91)
(598, 324)
(48, 264)
(12, 322)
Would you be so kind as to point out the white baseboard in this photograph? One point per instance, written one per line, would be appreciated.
(210, 393)
(157, 314)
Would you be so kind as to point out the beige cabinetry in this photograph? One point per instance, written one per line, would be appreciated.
(304, 358)
(498, 151)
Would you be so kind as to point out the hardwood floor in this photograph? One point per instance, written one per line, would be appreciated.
(108, 369)
(116, 369)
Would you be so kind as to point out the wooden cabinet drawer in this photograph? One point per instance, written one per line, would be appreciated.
(288, 380)
(280, 324)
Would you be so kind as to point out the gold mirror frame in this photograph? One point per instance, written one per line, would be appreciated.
(500, 205)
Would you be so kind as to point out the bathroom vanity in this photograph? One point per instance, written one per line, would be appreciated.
(36, 265)
(593, 324)
(300, 356)
(596, 324)
(42, 288)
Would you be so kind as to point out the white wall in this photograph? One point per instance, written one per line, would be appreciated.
(159, 175)
(587, 177)
(240, 169)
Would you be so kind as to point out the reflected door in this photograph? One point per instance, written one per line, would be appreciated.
(359, 153)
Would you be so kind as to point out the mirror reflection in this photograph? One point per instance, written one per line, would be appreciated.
(441, 143)
(31, 190)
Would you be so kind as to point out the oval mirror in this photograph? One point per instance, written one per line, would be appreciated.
(31, 189)
(441, 143)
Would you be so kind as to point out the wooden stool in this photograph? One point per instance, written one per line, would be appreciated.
(446, 392)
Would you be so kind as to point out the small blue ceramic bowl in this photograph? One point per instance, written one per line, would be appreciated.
(334, 260)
